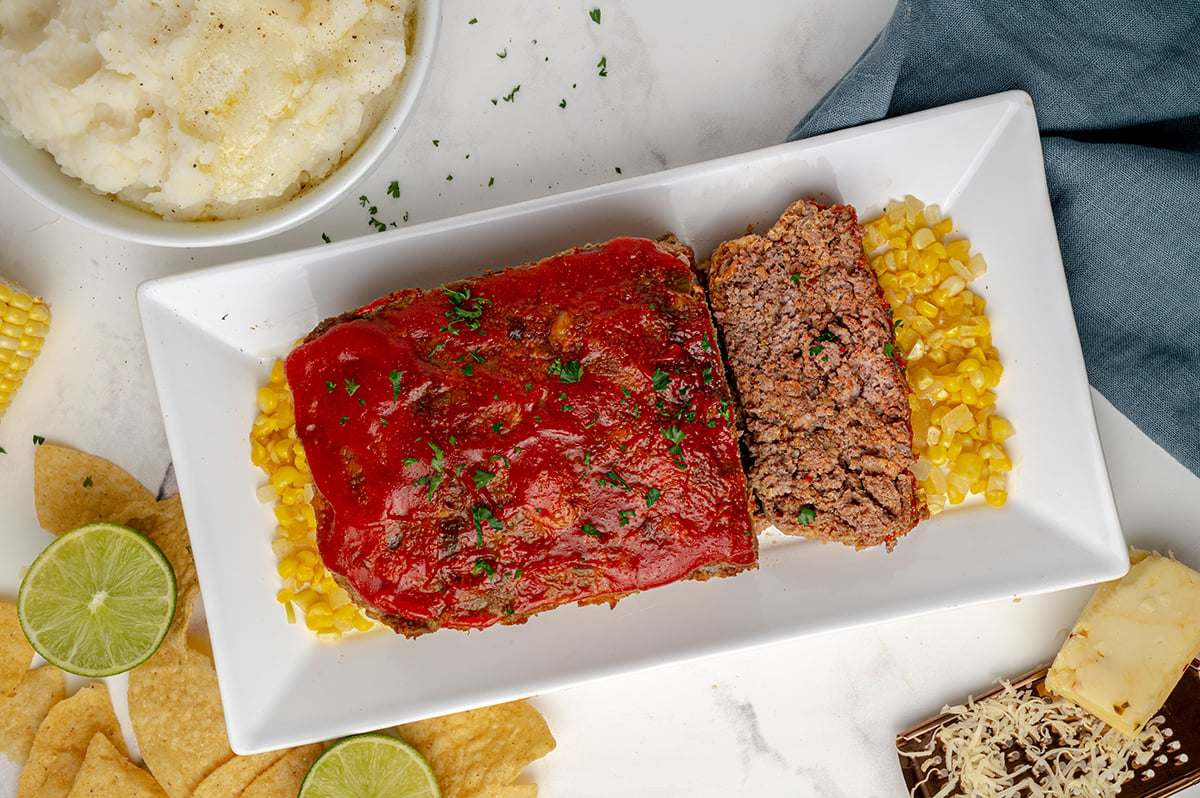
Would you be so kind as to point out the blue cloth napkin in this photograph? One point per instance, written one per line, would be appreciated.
(1116, 89)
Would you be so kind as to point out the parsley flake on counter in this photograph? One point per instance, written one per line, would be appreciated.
(393, 189)
(595, 15)
(562, 103)
(38, 440)
(473, 20)
(502, 54)
(603, 66)
(512, 95)
(325, 237)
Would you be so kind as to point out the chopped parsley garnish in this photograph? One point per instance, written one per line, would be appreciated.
(624, 517)
(38, 440)
(613, 479)
(496, 426)
(481, 515)
(571, 371)
(675, 435)
(395, 378)
(512, 95)
(796, 278)
(464, 309)
(808, 514)
(815, 350)
(393, 189)
(595, 15)
(501, 458)
(707, 374)
(889, 350)
(482, 477)
(330, 385)
(409, 461)
(661, 380)
(87, 482)
(351, 387)
(484, 566)
(343, 420)
(652, 496)
(588, 529)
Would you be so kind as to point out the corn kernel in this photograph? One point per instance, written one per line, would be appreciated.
(946, 339)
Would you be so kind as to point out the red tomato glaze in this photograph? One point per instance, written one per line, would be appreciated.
(547, 434)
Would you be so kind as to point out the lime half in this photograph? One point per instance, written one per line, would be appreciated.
(370, 766)
(98, 600)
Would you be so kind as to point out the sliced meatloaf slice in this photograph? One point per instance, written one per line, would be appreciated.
(823, 395)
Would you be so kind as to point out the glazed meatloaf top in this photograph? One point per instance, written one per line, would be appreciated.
(822, 391)
(552, 433)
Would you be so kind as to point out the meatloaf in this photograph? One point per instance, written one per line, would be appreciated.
(552, 433)
(822, 391)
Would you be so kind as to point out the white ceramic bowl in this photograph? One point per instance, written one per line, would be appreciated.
(39, 175)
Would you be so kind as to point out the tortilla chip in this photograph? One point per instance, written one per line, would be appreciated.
(234, 776)
(22, 712)
(15, 652)
(62, 741)
(71, 488)
(168, 530)
(481, 752)
(107, 773)
(175, 708)
(282, 779)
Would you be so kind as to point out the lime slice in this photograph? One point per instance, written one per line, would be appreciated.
(98, 600)
(370, 766)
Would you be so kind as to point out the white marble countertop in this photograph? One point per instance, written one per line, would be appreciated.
(814, 716)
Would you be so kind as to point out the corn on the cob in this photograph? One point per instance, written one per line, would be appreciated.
(943, 333)
(325, 605)
(24, 321)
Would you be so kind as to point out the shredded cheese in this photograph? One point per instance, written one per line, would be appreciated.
(1016, 743)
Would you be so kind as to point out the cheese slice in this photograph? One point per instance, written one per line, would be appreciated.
(1132, 643)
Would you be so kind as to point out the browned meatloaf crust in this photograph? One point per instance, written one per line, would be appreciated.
(823, 394)
(552, 433)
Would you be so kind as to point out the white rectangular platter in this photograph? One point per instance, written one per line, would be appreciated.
(213, 335)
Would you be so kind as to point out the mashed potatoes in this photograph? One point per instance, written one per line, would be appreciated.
(198, 109)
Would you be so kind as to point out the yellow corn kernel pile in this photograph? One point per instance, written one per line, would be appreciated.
(24, 321)
(943, 333)
(327, 607)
